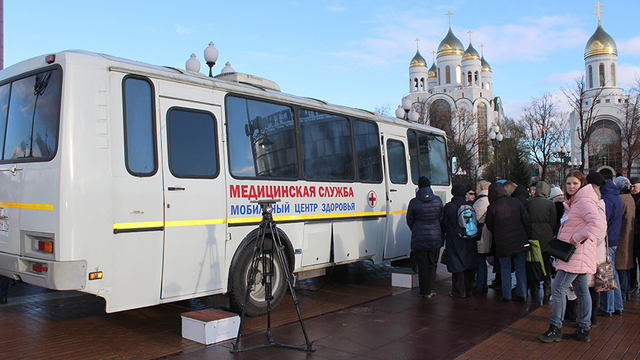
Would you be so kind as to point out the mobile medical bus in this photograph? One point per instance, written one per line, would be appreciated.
(134, 182)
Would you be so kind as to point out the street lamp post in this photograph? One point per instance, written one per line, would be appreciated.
(406, 111)
(496, 137)
(563, 152)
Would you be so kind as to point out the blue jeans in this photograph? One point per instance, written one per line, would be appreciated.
(559, 287)
(481, 270)
(612, 300)
(517, 260)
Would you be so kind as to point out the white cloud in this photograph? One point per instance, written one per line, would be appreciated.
(628, 75)
(630, 46)
(335, 7)
(181, 29)
(562, 78)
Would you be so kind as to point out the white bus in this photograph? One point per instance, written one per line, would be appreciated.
(134, 182)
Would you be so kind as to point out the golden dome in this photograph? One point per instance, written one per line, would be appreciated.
(433, 71)
(471, 54)
(418, 60)
(485, 65)
(450, 45)
(600, 43)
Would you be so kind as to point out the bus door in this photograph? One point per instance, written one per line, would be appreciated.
(195, 196)
(399, 192)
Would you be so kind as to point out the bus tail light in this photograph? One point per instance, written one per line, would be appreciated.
(95, 275)
(39, 267)
(46, 246)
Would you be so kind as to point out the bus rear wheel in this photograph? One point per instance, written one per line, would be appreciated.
(240, 274)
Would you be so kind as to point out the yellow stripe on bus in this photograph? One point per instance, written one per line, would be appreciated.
(150, 224)
(397, 212)
(17, 205)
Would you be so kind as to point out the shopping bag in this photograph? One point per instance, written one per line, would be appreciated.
(605, 278)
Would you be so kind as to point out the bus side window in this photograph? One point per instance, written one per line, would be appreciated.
(397, 162)
(367, 151)
(326, 146)
(192, 144)
(139, 126)
(4, 107)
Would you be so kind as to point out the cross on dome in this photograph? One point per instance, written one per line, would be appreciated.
(417, 40)
(469, 32)
(449, 15)
(598, 5)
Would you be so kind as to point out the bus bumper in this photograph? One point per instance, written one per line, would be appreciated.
(55, 275)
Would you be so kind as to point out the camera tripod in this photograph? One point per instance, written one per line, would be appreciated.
(267, 255)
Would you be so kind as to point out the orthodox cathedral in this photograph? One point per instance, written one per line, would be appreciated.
(459, 80)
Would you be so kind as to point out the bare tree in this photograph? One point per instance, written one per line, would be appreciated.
(630, 129)
(463, 145)
(540, 124)
(583, 101)
(384, 109)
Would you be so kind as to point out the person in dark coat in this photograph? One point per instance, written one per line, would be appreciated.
(522, 194)
(624, 252)
(610, 301)
(542, 213)
(635, 192)
(424, 215)
(460, 253)
(509, 222)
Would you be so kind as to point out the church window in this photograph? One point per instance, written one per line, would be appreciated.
(415, 84)
(476, 78)
(488, 86)
(422, 84)
(440, 115)
(469, 79)
(607, 100)
(458, 75)
(439, 83)
(590, 77)
(613, 74)
(601, 74)
(604, 145)
(447, 76)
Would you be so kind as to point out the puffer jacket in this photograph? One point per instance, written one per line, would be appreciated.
(542, 213)
(480, 205)
(509, 222)
(601, 246)
(611, 196)
(582, 222)
(424, 215)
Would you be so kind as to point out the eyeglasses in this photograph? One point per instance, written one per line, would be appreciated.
(471, 193)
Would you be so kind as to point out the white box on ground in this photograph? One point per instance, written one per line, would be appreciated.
(404, 278)
(209, 326)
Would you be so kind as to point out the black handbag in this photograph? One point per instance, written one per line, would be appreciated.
(561, 249)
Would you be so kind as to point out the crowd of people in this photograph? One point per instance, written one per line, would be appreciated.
(597, 216)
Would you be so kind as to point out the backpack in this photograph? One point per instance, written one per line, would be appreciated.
(467, 226)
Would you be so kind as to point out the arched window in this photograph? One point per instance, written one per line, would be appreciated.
(601, 74)
(422, 88)
(415, 84)
(476, 79)
(613, 74)
(482, 132)
(469, 79)
(439, 83)
(458, 75)
(447, 76)
(590, 77)
(440, 115)
(604, 145)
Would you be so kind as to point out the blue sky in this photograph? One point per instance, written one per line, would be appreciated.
(353, 53)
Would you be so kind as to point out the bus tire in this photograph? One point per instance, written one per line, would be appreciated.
(239, 278)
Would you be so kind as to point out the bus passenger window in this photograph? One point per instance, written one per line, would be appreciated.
(326, 146)
(192, 144)
(397, 162)
(367, 151)
(428, 155)
(261, 139)
(139, 127)
(33, 116)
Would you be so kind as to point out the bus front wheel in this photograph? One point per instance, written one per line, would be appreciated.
(240, 278)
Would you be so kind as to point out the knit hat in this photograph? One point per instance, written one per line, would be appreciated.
(459, 189)
(623, 183)
(423, 181)
(634, 180)
(595, 178)
(555, 192)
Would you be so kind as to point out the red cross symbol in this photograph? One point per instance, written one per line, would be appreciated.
(372, 199)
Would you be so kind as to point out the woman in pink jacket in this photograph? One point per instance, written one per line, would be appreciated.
(581, 225)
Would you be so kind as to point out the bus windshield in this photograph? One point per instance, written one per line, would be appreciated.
(428, 157)
(30, 115)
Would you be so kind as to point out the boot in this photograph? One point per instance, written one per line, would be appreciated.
(552, 335)
(580, 334)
